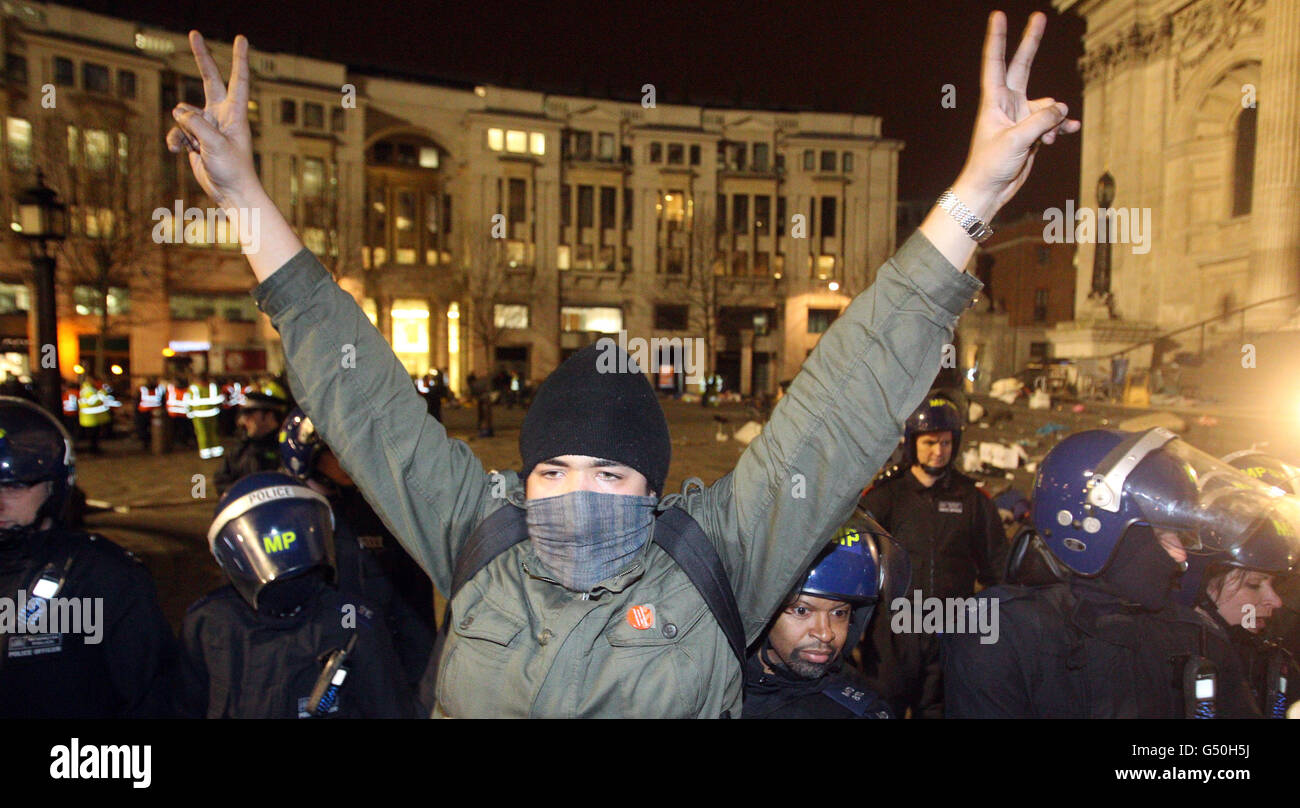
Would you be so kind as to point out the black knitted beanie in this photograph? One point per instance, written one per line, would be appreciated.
(598, 403)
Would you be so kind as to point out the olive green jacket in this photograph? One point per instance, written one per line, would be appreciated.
(522, 645)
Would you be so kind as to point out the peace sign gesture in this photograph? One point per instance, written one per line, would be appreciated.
(1009, 126)
(218, 137)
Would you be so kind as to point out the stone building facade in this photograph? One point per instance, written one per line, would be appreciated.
(481, 227)
(1193, 110)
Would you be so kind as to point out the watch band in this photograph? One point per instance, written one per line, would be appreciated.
(974, 226)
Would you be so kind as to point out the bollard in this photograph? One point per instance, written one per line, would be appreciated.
(159, 434)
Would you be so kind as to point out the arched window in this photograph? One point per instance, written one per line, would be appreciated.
(1243, 162)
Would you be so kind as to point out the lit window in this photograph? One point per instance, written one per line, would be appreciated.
(19, 132)
(510, 316)
(516, 141)
(562, 256)
(98, 147)
(537, 143)
(604, 320)
(410, 327)
(428, 157)
(496, 139)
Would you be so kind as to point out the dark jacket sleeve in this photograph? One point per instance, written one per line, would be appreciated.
(989, 545)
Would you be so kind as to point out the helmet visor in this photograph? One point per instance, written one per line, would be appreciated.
(1209, 504)
(260, 544)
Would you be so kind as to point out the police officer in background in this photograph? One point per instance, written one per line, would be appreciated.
(798, 669)
(117, 663)
(149, 399)
(280, 641)
(954, 537)
(1237, 591)
(1119, 512)
(259, 444)
(370, 561)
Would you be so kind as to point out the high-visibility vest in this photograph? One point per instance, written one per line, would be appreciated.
(175, 402)
(233, 394)
(92, 410)
(70, 402)
(201, 406)
(150, 400)
(109, 398)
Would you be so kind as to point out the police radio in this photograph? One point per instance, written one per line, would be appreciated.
(1199, 688)
(42, 590)
(325, 695)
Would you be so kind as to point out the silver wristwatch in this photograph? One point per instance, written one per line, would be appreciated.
(974, 226)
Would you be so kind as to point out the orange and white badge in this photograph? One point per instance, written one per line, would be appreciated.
(642, 617)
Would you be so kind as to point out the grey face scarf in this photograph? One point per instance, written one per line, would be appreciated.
(584, 537)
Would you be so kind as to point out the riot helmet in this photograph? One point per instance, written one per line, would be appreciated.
(862, 566)
(1095, 485)
(270, 528)
(265, 396)
(34, 448)
(938, 413)
(1267, 469)
(300, 445)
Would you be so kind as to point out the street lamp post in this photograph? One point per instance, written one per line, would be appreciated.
(43, 219)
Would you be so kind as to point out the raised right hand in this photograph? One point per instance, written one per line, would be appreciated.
(218, 138)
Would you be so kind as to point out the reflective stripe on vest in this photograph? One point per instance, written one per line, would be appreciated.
(175, 401)
(150, 400)
(200, 407)
(70, 402)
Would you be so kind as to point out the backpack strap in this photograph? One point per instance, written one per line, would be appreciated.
(684, 541)
(504, 528)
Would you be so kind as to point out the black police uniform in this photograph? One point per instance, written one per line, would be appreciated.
(840, 694)
(954, 537)
(372, 565)
(127, 674)
(250, 456)
(1269, 668)
(240, 663)
(1114, 646)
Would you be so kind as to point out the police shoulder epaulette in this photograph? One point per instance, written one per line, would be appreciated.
(886, 474)
(856, 700)
(103, 545)
(220, 593)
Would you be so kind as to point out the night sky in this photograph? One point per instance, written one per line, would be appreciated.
(885, 58)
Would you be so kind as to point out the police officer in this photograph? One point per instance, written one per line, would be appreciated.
(93, 642)
(1118, 512)
(1236, 590)
(798, 669)
(259, 444)
(280, 641)
(547, 568)
(149, 400)
(954, 537)
(370, 561)
(1283, 629)
(92, 411)
(203, 402)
